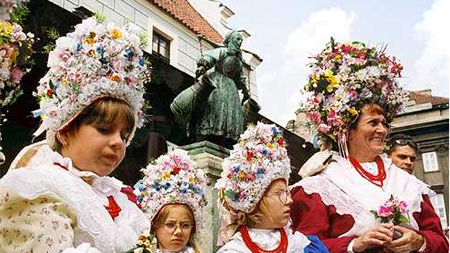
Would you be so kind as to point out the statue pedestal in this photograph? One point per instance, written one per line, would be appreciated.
(209, 157)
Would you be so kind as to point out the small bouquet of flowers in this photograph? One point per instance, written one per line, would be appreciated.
(146, 243)
(393, 211)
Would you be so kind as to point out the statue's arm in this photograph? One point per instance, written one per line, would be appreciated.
(241, 84)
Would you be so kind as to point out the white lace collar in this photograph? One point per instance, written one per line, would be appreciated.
(106, 185)
(341, 185)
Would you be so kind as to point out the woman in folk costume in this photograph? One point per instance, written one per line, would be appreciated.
(172, 195)
(254, 197)
(90, 102)
(351, 203)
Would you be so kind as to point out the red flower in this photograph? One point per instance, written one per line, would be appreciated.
(280, 141)
(176, 170)
(250, 156)
(49, 92)
(113, 208)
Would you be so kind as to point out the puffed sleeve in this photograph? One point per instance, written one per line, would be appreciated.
(430, 227)
(311, 217)
(43, 224)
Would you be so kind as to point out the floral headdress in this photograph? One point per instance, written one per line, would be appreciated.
(259, 158)
(97, 60)
(173, 179)
(345, 77)
(15, 60)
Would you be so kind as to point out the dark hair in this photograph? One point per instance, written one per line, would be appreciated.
(103, 111)
(399, 140)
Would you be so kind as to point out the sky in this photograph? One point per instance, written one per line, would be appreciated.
(285, 33)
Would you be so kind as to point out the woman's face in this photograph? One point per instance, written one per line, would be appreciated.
(174, 233)
(97, 147)
(366, 140)
(277, 200)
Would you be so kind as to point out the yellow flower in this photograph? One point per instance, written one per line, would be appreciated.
(269, 145)
(314, 78)
(116, 34)
(242, 175)
(165, 175)
(192, 180)
(353, 111)
(5, 28)
(115, 78)
(332, 80)
(338, 57)
(90, 39)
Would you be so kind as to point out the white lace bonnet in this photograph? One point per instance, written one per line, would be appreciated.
(97, 60)
(173, 179)
(259, 158)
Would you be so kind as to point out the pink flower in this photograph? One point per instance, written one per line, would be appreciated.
(315, 117)
(324, 128)
(403, 206)
(384, 211)
(16, 75)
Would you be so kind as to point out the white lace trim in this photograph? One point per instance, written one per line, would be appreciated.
(341, 186)
(267, 239)
(94, 224)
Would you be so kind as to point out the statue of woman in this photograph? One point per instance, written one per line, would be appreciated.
(220, 117)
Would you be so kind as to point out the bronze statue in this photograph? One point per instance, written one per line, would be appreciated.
(212, 108)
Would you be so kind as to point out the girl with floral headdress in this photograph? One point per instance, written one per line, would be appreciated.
(172, 195)
(360, 201)
(57, 194)
(254, 198)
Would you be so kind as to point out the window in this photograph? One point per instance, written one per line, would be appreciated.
(439, 206)
(161, 45)
(430, 162)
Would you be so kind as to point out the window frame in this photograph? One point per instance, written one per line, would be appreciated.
(159, 37)
(438, 203)
(428, 160)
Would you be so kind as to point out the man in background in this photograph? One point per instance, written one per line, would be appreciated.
(403, 152)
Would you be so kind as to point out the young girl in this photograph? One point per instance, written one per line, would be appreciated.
(90, 104)
(172, 195)
(255, 199)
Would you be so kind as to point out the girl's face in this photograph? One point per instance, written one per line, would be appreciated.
(277, 201)
(174, 233)
(96, 147)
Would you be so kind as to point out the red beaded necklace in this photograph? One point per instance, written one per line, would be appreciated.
(374, 179)
(282, 247)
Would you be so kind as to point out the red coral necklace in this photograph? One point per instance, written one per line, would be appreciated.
(282, 247)
(374, 179)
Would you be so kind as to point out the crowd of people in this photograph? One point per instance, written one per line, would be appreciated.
(58, 197)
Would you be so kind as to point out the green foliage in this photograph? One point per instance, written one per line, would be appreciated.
(19, 13)
(52, 34)
(100, 17)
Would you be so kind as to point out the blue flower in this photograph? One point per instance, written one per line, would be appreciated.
(79, 46)
(142, 61)
(129, 54)
(236, 168)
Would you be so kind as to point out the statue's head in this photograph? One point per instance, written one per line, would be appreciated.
(233, 39)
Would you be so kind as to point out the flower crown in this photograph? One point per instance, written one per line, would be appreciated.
(345, 77)
(96, 60)
(259, 158)
(15, 60)
(173, 179)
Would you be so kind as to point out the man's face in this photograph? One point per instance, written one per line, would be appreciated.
(405, 158)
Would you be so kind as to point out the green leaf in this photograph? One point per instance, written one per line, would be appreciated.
(19, 13)
(403, 219)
